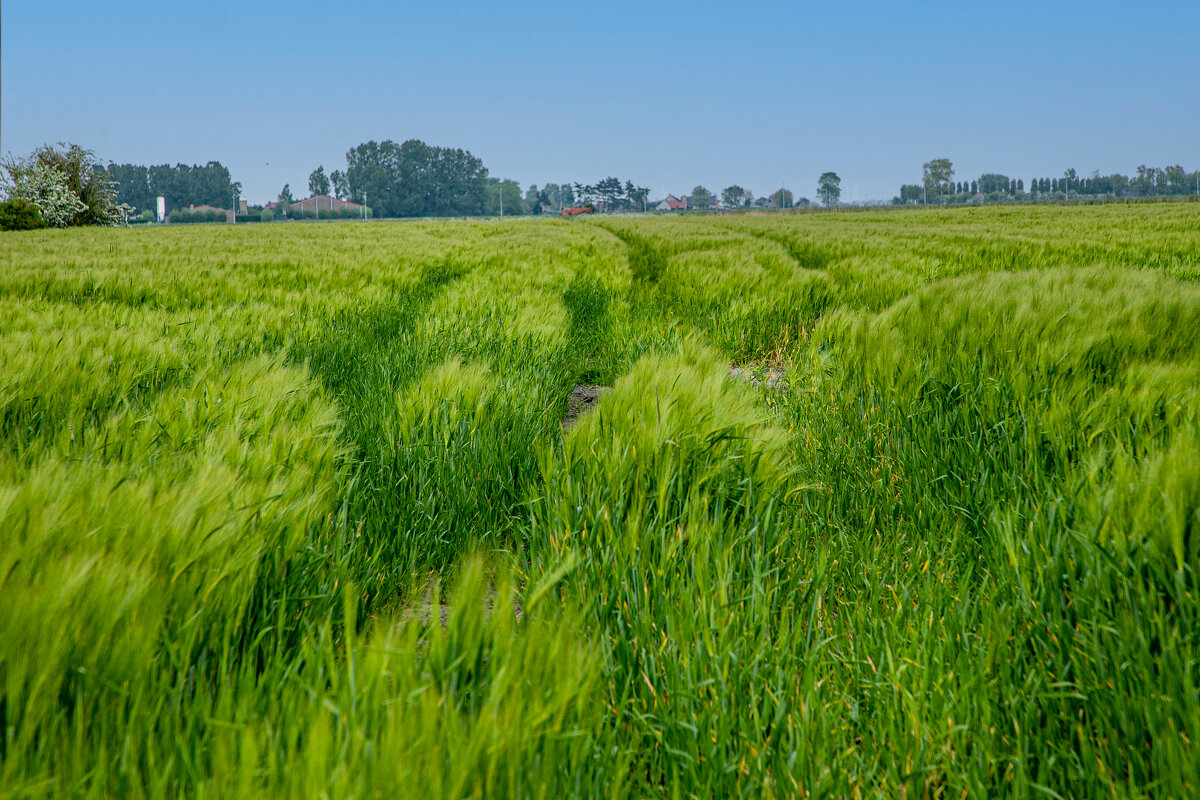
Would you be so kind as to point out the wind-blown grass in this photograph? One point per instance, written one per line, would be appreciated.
(952, 551)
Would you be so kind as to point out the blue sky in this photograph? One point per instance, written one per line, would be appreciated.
(668, 94)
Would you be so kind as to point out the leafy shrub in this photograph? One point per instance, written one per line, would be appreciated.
(19, 214)
(185, 215)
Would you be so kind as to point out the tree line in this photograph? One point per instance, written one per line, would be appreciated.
(67, 185)
(829, 193)
(938, 185)
(182, 185)
(414, 179)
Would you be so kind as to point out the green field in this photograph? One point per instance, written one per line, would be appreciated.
(937, 536)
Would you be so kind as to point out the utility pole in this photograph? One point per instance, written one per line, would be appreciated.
(501, 185)
(364, 206)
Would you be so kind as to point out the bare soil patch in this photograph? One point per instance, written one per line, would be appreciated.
(583, 398)
(771, 377)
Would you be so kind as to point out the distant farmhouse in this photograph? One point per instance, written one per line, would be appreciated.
(685, 203)
(673, 203)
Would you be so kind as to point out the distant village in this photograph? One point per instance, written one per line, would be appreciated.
(325, 206)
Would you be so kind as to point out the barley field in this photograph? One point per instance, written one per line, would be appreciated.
(888, 504)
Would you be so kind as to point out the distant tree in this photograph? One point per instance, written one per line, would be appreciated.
(132, 183)
(701, 197)
(781, 198)
(937, 175)
(1020, 186)
(285, 199)
(910, 193)
(638, 197)
(183, 185)
(627, 192)
(415, 179)
(560, 195)
(337, 184)
(974, 187)
(317, 182)
(1143, 182)
(611, 191)
(829, 188)
(504, 196)
(213, 185)
(1175, 180)
(991, 183)
(735, 196)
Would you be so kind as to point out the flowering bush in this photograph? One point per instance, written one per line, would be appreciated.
(65, 186)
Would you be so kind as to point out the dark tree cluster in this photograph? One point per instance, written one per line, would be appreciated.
(414, 179)
(558, 195)
(615, 195)
(181, 185)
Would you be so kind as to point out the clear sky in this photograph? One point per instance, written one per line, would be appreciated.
(668, 94)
